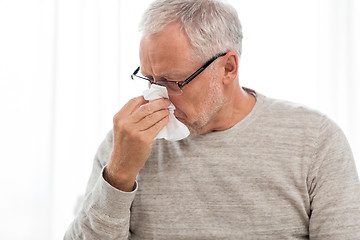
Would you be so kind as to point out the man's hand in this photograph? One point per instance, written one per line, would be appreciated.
(135, 127)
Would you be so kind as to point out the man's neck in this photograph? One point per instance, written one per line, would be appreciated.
(238, 107)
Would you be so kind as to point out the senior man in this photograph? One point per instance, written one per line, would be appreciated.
(252, 168)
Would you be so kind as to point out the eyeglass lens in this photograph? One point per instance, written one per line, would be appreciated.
(172, 87)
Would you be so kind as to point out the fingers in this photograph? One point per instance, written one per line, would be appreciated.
(132, 106)
(139, 115)
(152, 119)
(150, 108)
(157, 127)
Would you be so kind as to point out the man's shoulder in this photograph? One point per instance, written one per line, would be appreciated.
(286, 113)
(280, 109)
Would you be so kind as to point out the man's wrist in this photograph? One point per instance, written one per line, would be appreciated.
(122, 182)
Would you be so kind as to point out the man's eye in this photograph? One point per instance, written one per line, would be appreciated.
(171, 83)
(168, 84)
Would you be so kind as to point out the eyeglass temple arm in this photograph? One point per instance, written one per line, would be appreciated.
(201, 69)
(192, 75)
(135, 72)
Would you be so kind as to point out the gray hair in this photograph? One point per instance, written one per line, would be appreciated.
(212, 26)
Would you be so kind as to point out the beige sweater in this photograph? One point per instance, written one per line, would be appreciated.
(283, 172)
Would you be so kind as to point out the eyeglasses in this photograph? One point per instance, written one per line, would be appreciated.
(175, 87)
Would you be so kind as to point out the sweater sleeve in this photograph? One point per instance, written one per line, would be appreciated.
(105, 211)
(334, 187)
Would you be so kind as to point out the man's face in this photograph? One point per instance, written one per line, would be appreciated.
(168, 56)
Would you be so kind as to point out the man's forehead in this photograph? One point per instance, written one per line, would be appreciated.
(167, 64)
(167, 54)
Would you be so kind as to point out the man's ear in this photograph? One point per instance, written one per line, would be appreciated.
(230, 65)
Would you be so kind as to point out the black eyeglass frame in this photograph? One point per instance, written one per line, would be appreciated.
(181, 84)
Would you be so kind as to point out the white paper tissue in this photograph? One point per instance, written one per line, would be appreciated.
(174, 130)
